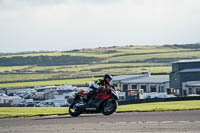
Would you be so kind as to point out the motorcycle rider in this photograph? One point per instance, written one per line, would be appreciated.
(98, 85)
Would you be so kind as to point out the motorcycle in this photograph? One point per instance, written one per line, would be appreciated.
(103, 102)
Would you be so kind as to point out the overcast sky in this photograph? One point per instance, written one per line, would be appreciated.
(33, 25)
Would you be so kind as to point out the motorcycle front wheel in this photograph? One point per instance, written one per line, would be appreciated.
(109, 107)
(74, 110)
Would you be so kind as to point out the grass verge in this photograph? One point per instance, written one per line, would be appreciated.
(82, 81)
(6, 112)
(161, 106)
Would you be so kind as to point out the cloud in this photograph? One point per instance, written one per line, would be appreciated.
(68, 24)
(16, 4)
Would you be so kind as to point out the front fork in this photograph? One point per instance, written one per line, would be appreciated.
(79, 104)
(108, 104)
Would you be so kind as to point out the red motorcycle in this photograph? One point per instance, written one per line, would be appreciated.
(104, 102)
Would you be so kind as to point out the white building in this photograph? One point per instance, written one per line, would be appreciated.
(117, 80)
(66, 87)
(20, 91)
(191, 88)
(151, 86)
(64, 91)
(12, 100)
(45, 93)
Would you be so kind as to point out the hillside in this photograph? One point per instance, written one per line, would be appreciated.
(87, 63)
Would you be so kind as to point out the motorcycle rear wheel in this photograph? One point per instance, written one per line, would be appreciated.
(73, 110)
(109, 107)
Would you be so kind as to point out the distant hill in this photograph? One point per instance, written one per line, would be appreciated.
(50, 67)
(46, 60)
(186, 46)
(126, 54)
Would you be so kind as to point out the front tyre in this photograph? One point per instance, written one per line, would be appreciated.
(109, 107)
(74, 110)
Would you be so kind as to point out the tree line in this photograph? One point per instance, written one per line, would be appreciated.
(46, 60)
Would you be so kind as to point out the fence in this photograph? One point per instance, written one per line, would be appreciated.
(158, 100)
(142, 100)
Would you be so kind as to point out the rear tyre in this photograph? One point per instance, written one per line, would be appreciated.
(109, 107)
(74, 110)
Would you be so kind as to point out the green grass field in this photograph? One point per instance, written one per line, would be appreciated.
(143, 107)
(6, 112)
(83, 81)
(75, 68)
(99, 52)
(59, 76)
(113, 60)
(150, 56)
(161, 106)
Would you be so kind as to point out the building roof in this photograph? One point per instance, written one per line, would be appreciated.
(190, 70)
(151, 79)
(46, 87)
(193, 84)
(124, 77)
(186, 61)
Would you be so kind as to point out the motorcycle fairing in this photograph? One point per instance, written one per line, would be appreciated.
(102, 95)
(97, 102)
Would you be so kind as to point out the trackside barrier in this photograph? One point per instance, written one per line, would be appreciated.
(5, 105)
(142, 100)
(158, 100)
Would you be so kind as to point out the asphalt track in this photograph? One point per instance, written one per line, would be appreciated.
(130, 122)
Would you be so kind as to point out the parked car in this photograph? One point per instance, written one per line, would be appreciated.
(36, 103)
(26, 104)
(22, 104)
(65, 105)
(45, 104)
(29, 104)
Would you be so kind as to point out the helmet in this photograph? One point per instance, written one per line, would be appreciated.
(107, 78)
